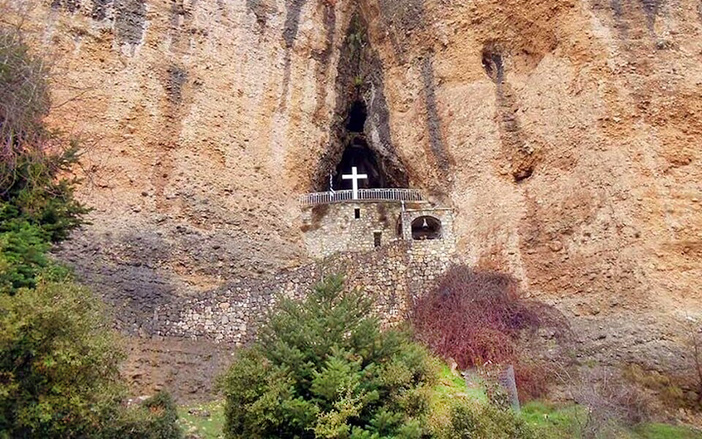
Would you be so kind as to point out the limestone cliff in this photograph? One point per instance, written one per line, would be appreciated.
(565, 134)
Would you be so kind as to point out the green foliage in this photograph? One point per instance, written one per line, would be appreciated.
(34, 194)
(205, 421)
(497, 396)
(22, 257)
(30, 219)
(485, 421)
(37, 204)
(155, 418)
(59, 375)
(58, 362)
(554, 422)
(664, 431)
(462, 409)
(324, 369)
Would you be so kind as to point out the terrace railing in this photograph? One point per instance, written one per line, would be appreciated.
(364, 195)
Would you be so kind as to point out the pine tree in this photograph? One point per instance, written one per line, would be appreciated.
(322, 368)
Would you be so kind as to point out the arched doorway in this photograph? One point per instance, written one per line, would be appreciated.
(426, 227)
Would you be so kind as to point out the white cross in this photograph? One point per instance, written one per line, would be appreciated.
(354, 177)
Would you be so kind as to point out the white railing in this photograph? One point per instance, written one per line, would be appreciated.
(364, 195)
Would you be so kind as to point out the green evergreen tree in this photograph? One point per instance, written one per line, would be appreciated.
(322, 368)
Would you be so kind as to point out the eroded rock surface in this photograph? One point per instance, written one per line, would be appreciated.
(565, 134)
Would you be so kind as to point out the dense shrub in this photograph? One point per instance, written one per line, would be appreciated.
(478, 318)
(474, 317)
(155, 418)
(59, 374)
(58, 363)
(470, 421)
(322, 368)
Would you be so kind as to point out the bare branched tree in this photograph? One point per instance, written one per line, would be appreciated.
(28, 73)
(36, 183)
(24, 103)
(607, 400)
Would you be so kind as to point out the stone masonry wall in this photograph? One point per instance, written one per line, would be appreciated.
(394, 274)
(331, 229)
(334, 228)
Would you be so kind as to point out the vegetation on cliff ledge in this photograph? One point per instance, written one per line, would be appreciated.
(59, 358)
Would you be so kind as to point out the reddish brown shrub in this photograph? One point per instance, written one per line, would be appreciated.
(477, 318)
(473, 317)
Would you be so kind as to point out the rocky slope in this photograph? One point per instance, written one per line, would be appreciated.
(565, 134)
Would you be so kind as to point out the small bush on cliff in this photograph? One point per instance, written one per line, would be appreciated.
(477, 318)
(322, 368)
(59, 375)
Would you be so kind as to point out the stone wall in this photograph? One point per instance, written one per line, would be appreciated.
(360, 227)
(394, 274)
(334, 228)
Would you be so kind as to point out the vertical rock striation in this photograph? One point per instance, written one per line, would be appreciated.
(565, 134)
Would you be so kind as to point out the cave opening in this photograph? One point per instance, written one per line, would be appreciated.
(360, 130)
(359, 155)
(357, 117)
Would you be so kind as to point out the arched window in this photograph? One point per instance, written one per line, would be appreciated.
(426, 227)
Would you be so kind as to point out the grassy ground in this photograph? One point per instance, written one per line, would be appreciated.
(562, 422)
(204, 421)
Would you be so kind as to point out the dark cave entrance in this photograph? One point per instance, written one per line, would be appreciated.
(358, 154)
(357, 117)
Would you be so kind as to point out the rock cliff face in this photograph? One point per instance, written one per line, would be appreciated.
(565, 133)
